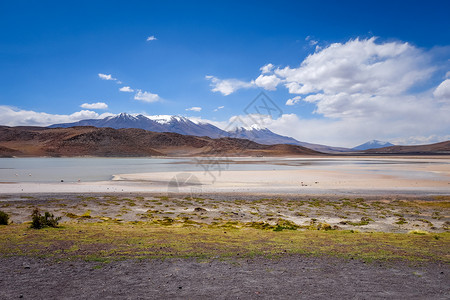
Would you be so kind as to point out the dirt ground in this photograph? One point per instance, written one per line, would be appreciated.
(290, 277)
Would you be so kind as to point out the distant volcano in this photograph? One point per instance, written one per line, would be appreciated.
(373, 144)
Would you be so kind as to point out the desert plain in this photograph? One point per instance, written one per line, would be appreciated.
(379, 229)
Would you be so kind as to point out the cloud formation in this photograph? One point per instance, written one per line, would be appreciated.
(151, 38)
(17, 117)
(194, 108)
(293, 101)
(443, 90)
(106, 76)
(146, 96)
(361, 90)
(98, 105)
(227, 86)
(126, 89)
(219, 108)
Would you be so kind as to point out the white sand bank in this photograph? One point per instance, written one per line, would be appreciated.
(277, 181)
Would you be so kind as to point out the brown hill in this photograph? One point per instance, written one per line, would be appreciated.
(437, 148)
(92, 141)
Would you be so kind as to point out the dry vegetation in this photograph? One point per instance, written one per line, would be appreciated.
(111, 227)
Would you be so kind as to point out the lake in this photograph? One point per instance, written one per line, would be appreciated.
(100, 169)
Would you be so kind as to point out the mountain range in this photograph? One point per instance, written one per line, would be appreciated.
(442, 148)
(105, 142)
(183, 125)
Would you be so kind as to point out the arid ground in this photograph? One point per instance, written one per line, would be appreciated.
(379, 229)
(226, 246)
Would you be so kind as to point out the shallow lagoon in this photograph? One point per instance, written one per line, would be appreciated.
(100, 169)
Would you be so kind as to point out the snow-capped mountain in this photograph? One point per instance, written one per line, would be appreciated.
(373, 144)
(265, 136)
(162, 123)
(261, 136)
(183, 125)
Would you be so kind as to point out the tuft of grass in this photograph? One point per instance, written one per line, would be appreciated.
(446, 225)
(419, 232)
(425, 221)
(40, 221)
(364, 221)
(4, 218)
(401, 221)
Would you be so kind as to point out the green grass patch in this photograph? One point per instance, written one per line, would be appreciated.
(168, 238)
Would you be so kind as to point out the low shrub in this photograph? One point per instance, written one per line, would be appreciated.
(40, 221)
(4, 218)
(419, 232)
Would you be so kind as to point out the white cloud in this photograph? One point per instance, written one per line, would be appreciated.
(194, 108)
(146, 96)
(311, 41)
(443, 90)
(294, 100)
(348, 132)
(126, 89)
(17, 117)
(98, 105)
(227, 86)
(106, 76)
(355, 67)
(359, 67)
(266, 68)
(219, 108)
(267, 82)
(362, 90)
(151, 38)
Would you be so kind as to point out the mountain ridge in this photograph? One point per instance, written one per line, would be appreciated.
(127, 142)
(183, 125)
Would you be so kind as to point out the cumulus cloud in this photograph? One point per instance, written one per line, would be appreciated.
(194, 108)
(12, 116)
(146, 96)
(227, 86)
(126, 89)
(266, 68)
(106, 76)
(347, 132)
(360, 66)
(267, 82)
(362, 89)
(294, 100)
(98, 105)
(151, 38)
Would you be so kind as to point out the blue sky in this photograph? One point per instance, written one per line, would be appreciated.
(384, 64)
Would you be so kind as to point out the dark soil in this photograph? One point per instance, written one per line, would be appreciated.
(289, 277)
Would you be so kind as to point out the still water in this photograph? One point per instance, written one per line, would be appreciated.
(98, 169)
